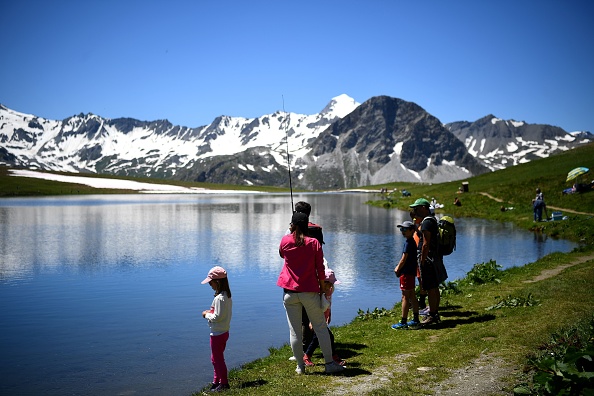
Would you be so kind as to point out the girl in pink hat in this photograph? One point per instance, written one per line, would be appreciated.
(219, 319)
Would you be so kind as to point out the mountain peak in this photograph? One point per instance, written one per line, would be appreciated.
(340, 106)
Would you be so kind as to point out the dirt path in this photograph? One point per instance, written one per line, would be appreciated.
(548, 206)
(483, 376)
(490, 196)
(546, 274)
(569, 210)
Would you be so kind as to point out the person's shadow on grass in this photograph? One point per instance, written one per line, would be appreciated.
(453, 316)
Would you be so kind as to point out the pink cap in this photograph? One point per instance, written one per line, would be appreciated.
(215, 273)
(330, 277)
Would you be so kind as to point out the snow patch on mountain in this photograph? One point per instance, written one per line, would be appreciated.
(121, 184)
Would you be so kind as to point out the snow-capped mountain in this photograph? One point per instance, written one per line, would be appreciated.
(344, 145)
(501, 143)
(386, 139)
(125, 146)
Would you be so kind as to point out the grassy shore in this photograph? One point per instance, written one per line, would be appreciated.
(497, 325)
(382, 361)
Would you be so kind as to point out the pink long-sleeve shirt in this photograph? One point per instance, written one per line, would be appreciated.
(304, 265)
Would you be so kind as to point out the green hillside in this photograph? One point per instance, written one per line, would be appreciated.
(514, 187)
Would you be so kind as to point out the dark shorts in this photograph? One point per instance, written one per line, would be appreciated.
(432, 274)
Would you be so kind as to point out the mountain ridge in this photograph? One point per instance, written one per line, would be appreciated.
(345, 145)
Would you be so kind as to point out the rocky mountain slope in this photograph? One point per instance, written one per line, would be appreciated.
(500, 143)
(386, 139)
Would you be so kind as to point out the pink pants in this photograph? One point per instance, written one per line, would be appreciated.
(217, 357)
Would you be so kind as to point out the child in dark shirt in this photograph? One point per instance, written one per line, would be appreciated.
(406, 271)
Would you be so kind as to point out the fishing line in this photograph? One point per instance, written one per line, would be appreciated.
(288, 160)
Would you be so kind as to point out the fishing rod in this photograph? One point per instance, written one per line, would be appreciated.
(288, 159)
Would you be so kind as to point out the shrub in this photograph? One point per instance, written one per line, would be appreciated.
(515, 302)
(483, 273)
(375, 314)
(564, 366)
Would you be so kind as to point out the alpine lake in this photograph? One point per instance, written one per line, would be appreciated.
(101, 294)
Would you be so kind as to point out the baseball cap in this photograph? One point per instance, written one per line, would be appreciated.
(330, 277)
(420, 202)
(215, 273)
(406, 224)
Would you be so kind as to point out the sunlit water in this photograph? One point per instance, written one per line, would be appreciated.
(102, 294)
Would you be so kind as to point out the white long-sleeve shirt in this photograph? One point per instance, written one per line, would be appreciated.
(219, 317)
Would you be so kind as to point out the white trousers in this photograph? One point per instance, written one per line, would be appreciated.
(294, 302)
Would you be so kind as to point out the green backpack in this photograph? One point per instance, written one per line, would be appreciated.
(446, 235)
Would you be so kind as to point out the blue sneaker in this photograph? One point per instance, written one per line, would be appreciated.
(414, 324)
(400, 326)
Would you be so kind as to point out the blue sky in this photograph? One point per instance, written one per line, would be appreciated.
(191, 61)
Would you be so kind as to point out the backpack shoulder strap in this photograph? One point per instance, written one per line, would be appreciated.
(434, 243)
(431, 218)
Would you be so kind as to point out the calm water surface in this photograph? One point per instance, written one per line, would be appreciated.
(102, 294)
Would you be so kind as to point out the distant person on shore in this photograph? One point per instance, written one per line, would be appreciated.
(328, 290)
(457, 202)
(538, 205)
(302, 278)
(406, 271)
(219, 320)
(433, 271)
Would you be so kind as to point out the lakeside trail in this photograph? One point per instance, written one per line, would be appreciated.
(548, 206)
(488, 374)
(483, 376)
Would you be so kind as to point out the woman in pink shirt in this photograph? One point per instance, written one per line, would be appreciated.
(301, 278)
